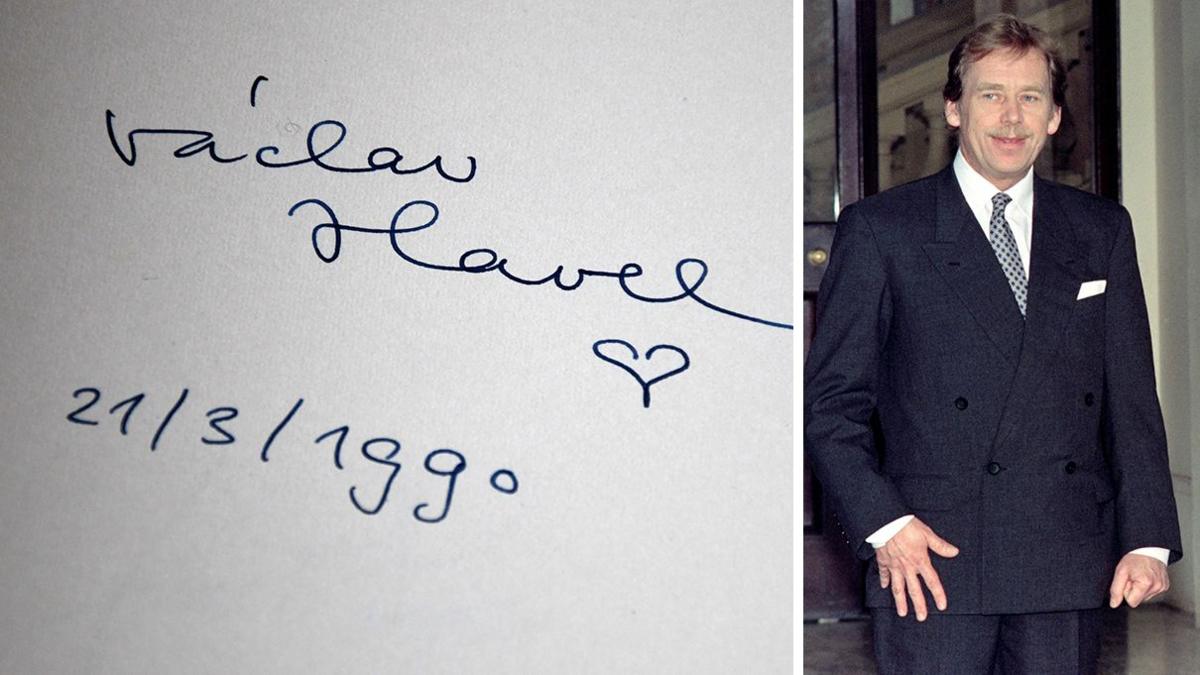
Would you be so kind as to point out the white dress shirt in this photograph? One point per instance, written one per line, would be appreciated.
(1019, 214)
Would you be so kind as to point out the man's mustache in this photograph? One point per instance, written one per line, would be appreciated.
(1011, 133)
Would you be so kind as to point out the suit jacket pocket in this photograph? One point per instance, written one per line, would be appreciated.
(1078, 507)
(1089, 308)
(924, 492)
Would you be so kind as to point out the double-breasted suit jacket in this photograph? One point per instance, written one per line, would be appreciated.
(1035, 444)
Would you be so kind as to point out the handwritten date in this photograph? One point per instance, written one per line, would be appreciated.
(380, 451)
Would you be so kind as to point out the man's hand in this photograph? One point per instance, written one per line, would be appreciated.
(904, 558)
(1138, 578)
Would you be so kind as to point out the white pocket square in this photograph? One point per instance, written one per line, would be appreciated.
(1089, 288)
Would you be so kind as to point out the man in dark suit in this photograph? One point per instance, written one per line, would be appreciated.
(980, 385)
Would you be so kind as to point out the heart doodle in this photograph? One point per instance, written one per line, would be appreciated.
(649, 354)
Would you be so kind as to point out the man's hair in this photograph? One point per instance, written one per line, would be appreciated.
(1004, 32)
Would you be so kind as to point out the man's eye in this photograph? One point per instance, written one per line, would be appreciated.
(991, 96)
(1032, 98)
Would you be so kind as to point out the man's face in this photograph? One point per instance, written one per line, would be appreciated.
(1005, 114)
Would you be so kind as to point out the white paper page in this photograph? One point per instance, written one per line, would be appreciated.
(199, 412)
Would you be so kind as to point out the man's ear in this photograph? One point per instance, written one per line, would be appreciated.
(952, 117)
(1055, 119)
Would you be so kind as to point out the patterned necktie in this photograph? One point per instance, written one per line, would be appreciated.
(1005, 246)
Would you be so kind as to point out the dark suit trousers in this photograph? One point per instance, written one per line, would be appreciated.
(1048, 643)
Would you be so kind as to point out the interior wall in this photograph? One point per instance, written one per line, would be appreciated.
(1160, 100)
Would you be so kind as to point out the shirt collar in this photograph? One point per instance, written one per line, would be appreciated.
(979, 192)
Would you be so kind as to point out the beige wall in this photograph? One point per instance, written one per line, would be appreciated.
(1160, 117)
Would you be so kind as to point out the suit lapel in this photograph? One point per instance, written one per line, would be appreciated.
(1053, 285)
(965, 259)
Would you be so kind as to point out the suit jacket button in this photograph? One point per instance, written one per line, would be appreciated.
(994, 468)
(1070, 467)
(1089, 398)
(960, 403)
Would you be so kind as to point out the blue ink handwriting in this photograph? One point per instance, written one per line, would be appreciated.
(197, 141)
(629, 368)
(254, 88)
(483, 260)
(380, 451)
(327, 135)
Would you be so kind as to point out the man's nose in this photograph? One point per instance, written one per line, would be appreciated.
(1011, 113)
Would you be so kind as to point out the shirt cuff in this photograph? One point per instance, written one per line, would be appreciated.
(1160, 554)
(881, 536)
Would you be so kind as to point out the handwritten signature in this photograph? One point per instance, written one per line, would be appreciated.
(319, 144)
